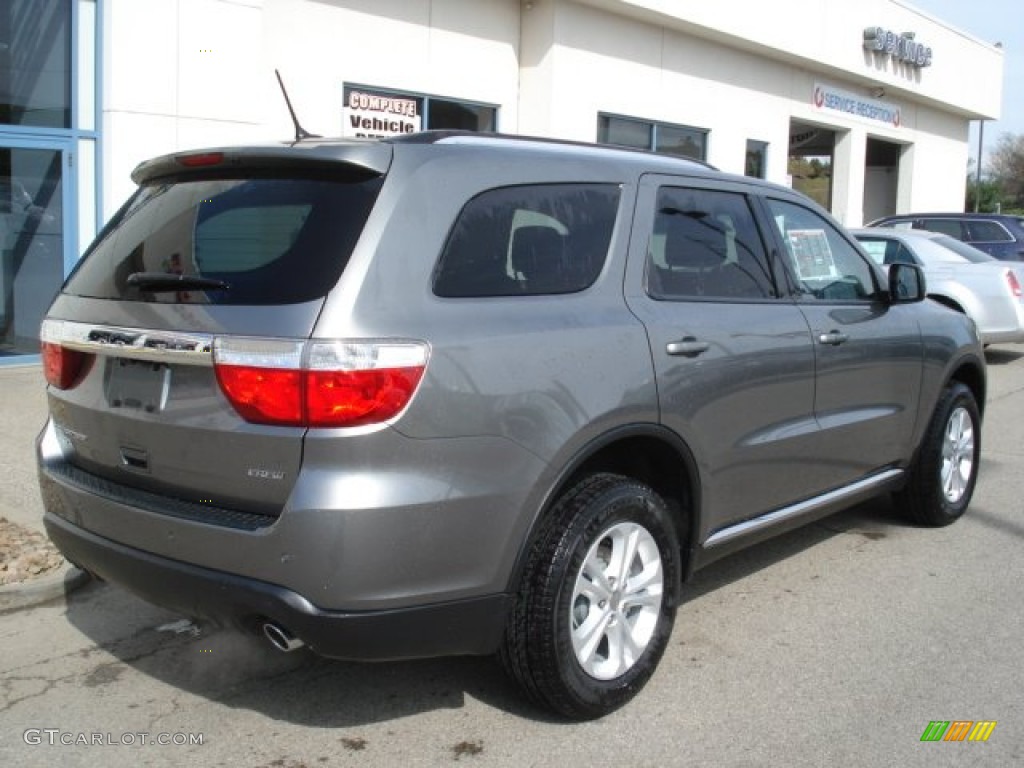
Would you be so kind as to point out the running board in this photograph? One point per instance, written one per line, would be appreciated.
(860, 488)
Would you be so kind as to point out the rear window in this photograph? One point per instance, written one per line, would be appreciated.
(982, 231)
(269, 240)
(964, 250)
(528, 241)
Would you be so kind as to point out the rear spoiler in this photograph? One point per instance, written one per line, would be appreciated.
(371, 157)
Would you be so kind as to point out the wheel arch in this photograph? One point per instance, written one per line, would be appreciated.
(948, 301)
(971, 373)
(649, 453)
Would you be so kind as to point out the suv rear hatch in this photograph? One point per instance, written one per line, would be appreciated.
(187, 321)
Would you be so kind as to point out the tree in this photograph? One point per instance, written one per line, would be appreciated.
(988, 193)
(1006, 169)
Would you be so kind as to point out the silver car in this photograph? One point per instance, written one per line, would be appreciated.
(464, 394)
(987, 290)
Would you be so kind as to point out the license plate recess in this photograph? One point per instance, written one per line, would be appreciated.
(137, 384)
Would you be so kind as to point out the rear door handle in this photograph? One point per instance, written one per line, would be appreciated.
(832, 338)
(687, 346)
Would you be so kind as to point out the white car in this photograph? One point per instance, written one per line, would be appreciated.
(958, 275)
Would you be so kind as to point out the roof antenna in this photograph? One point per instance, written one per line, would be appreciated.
(300, 132)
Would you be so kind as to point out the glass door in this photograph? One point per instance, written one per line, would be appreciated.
(32, 240)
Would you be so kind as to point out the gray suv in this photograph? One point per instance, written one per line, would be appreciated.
(466, 394)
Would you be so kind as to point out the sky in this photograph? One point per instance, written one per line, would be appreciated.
(992, 21)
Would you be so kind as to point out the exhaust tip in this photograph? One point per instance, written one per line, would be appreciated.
(281, 638)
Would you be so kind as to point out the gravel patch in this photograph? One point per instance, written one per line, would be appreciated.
(25, 554)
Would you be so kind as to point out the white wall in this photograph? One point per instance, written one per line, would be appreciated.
(180, 74)
(966, 73)
(176, 74)
(639, 68)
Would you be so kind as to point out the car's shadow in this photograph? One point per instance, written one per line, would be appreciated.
(244, 671)
(1003, 355)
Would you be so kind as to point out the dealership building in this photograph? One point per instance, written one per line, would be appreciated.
(864, 105)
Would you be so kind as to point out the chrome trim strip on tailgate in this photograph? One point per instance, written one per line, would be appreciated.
(170, 347)
(749, 526)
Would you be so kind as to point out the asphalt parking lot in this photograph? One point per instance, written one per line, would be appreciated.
(835, 645)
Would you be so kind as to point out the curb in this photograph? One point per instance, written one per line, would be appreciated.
(26, 594)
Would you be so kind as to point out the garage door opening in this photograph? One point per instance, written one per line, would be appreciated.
(811, 152)
(881, 178)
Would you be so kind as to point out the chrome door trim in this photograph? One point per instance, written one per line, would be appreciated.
(810, 505)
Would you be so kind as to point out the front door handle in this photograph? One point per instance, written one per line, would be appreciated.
(687, 346)
(832, 338)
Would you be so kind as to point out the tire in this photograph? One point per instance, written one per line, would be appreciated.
(942, 477)
(585, 633)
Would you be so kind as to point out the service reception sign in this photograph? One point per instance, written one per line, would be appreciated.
(372, 114)
(827, 98)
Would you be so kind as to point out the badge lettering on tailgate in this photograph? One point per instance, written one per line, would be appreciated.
(265, 474)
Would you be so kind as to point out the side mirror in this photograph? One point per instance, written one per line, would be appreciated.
(906, 284)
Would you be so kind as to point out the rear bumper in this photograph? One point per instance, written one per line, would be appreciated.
(359, 534)
(472, 626)
(1004, 336)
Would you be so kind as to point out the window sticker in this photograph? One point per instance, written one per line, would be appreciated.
(812, 255)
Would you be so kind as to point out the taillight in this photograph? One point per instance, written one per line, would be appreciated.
(318, 383)
(200, 159)
(63, 367)
(1011, 278)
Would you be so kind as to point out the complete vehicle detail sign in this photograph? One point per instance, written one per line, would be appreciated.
(837, 100)
(373, 114)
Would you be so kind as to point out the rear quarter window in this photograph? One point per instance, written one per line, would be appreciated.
(987, 232)
(528, 240)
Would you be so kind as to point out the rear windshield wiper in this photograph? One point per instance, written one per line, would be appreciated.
(162, 281)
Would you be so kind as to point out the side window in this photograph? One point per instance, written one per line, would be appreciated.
(705, 244)
(824, 264)
(949, 227)
(884, 251)
(987, 232)
(528, 241)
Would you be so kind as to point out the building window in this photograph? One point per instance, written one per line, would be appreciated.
(47, 157)
(680, 140)
(377, 113)
(35, 63)
(757, 159)
(443, 113)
